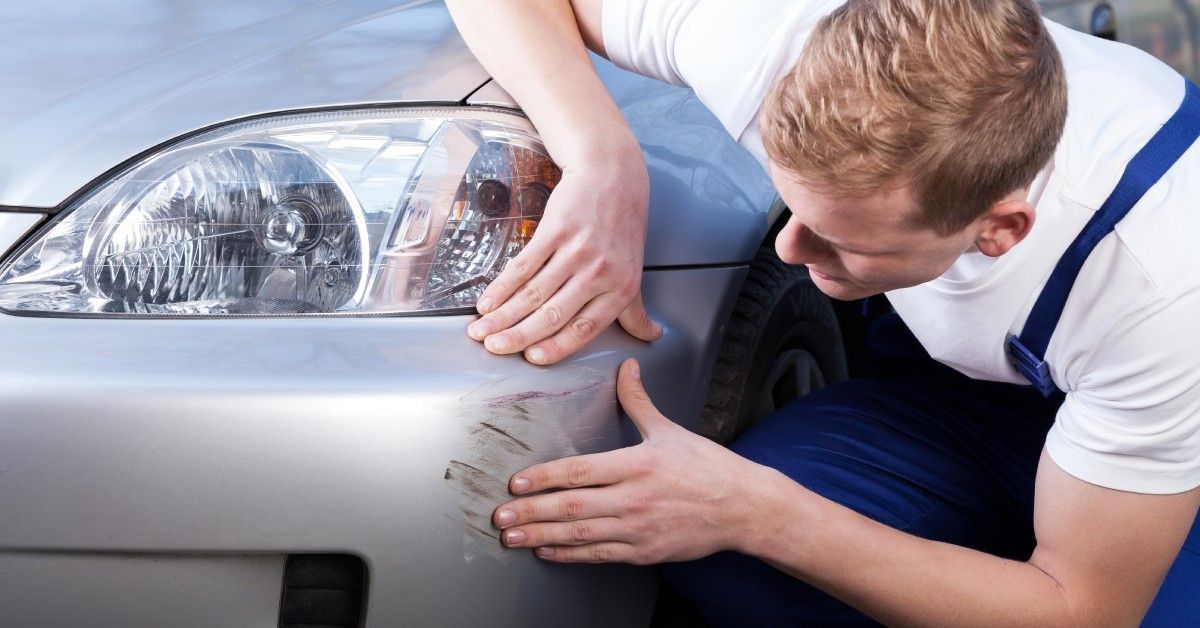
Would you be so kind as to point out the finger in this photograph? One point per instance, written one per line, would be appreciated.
(593, 319)
(545, 322)
(600, 469)
(569, 533)
(528, 298)
(636, 401)
(609, 552)
(583, 503)
(637, 322)
(517, 272)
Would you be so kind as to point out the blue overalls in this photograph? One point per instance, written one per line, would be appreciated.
(924, 449)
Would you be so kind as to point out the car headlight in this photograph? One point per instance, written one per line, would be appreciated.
(352, 212)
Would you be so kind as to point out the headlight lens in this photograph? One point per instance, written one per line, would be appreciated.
(380, 211)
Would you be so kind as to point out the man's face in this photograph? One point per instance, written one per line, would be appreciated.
(855, 248)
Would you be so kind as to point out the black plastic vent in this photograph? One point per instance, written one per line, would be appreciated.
(322, 591)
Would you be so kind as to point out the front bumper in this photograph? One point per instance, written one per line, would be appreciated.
(161, 470)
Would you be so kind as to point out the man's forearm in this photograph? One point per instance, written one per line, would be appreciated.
(534, 49)
(897, 578)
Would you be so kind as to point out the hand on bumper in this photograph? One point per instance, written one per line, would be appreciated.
(676, 496)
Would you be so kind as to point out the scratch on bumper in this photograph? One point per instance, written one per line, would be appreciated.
(511, 431)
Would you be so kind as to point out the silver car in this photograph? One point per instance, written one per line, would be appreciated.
(240, 243)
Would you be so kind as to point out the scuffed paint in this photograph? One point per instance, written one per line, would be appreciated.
(564, 415)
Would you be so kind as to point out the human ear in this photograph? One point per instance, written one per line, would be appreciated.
(1004, 226)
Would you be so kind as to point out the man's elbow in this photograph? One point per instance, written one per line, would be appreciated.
(589, 14)
(1076, 605)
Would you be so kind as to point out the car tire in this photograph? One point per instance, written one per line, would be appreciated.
(781, 342)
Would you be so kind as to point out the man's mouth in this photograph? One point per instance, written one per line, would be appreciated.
(820, 275)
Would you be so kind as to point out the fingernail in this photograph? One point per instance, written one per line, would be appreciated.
(513, 537)
(520, 485)
(536, 355)
(506, 518)
(636, 371)
(545, 551)
(658, 330)
(479, 330)
(485, 305)
(496, 344)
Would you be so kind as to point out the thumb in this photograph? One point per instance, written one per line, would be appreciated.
(636, 402)
(638, 323)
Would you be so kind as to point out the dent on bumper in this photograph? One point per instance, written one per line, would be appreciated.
(392, 439)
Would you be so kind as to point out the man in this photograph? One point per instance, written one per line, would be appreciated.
(949, 153)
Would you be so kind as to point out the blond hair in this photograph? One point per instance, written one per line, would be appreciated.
(964, 100)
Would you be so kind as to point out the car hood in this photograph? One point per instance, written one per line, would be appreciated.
(89, 85)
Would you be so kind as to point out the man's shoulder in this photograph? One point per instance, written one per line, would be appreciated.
(1119, 97)
(1114, 89)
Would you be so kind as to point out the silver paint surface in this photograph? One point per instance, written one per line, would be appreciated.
(100, 590)
(144, 438)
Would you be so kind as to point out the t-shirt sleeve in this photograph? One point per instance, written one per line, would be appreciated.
(1132, 422)
(730, 52)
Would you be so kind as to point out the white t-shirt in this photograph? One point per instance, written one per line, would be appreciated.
(1127, 349)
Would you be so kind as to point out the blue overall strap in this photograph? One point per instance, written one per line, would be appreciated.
(1028, 352)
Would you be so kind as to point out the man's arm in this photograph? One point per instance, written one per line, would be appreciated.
(1101, 553)
(583, 267)
(1100, 558)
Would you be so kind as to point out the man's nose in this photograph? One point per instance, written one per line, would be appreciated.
(795, 244)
